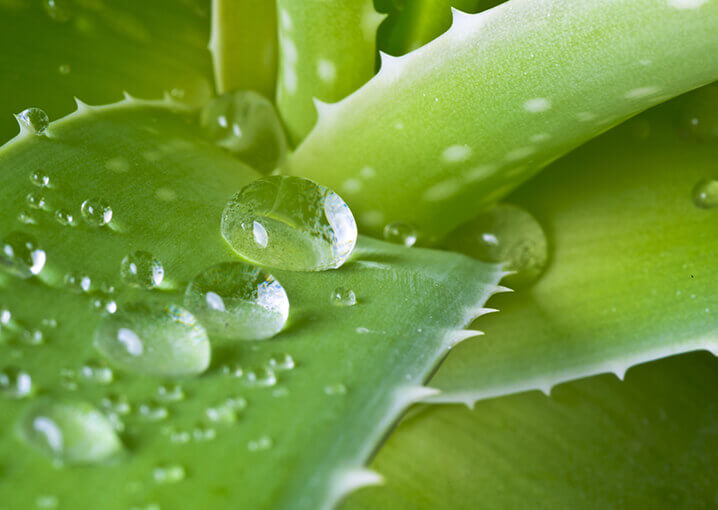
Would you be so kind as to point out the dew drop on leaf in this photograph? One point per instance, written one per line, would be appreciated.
(35, 120)
(141, 269)
(40, 178)
(15, 383)
(70, 431)
(64, 217)
(171, 473)
(260, 377)
(506, 233)
(343, 296)
(37, 201)
(259, 444)
(78, 282)
(335, 389)
(246, 123)
(281, 361)
(705, 194)
(239, 301)
(290, 223)
(152, 338)
(400, 233)
(20, 255)
(96, 212)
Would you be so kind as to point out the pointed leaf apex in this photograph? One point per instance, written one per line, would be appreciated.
(455, 337)
(349, 480)
(81, 105)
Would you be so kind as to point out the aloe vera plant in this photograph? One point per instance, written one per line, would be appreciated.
(183, 326)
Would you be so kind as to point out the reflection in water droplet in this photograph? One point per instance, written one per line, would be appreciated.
(505, 233)
(247, 124)
(304, 226)
(343, 296)
(171, 473)
(35, 120)
(151, 338)
(70, 431)
(15, 383)
(96, 212)
(705, 194)
(239, 301)
(400, 233)
(141, 269)
(20, 255)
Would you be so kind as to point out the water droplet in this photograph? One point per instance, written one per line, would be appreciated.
(201, 433)
(78, 282)
(281, 361)
(705, 194)
(64, 217)
(35, 120)
(103, 304)
(15, 383)
(400, 233)
(64, 69)
(153, 412)
(40, 178)
(32, 337)
(260, 377)
(21, 255)
(58, 10)
(335, 389)
(37, 201)
(141, 269)
(226, 412)
(505, 233)
(343, 296)
(304, 226)
(70, 431)
(96, 373)
(117, 404)
(246, 124)
(699, 117)
(26, 217)
(151, 338)
(238, 301)
(180, 436)
(259, 444)
(171, 473)
(46, 501)
(170, 393)
(96, 212)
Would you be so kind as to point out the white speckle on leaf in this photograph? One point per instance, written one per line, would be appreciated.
(326, 70)
(686, 4)
(118, 165)
(456, 153)
(641, 92)
(352, 185)
(165, 194)
(520, 153)
(367, 172)
(537, 105)
(480, 172)
(585, 116)
(442, 190)
(540, 137)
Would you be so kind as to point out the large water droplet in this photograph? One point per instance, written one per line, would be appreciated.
(400, 233)
(34, 119)
(705, 194)
(237, 300)
(156, 339)
(505, 233)
(290, 223)
(141, 269)
(247, 124)
(15, 383)
(96, 212)
(21, 255)
(69, 431)
(343, 296)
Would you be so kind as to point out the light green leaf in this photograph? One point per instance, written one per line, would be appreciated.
(326, 51)
(244, 45)
(452, 127)
(300, 443)
(649, 442)
(632, 270)
(96, 50)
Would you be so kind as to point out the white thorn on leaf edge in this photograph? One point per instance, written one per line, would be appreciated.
(455, 337)
(347, 481)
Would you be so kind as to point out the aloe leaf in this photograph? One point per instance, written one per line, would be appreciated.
(326, 51)
(301, 442)
(97, 50)
(512, 88)
(648, 442)
(244, 45)
(631, 273)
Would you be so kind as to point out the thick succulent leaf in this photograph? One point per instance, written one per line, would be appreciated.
(326, 51)
(244, 45)
(449, 128)
(300, 444)
(632, 270)
(648, 442)
(96, 50)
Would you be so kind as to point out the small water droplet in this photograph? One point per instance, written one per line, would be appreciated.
(26, 218)
(238, 301)
(37, 201)
(180, 436)
(400, 233)
(281, 361)
(343, 296)
(70, 431)
(335, 389)
(40, 178)
(103, 304)
(15, 383)
(64, 69)
(260, 377)
(21, 255)
(246, 124)
(96, 212)
(170, 393)
(171, 473)
(96, 373)
(201, 433)
(153, 412)
(259, 444)
(58, 10)
(141, 269)
(64, 217)
(35, 120)
(505, 233)
(32, 337)
(306, 227)
(226, 412)
(116, 403)
(151, 338)
(699, 118)
(705, 194)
